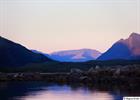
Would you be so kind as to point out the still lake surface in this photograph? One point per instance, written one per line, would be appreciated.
(53, 91)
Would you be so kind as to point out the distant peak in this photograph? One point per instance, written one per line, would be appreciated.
(134, 34)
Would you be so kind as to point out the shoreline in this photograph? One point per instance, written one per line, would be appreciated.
(72, 78)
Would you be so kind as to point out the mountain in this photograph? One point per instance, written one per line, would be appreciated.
(13, 54)
(39, 52)
(45, 54)
(80, 55)
(128, 49)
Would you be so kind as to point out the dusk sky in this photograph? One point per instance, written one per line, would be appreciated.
(52, 25)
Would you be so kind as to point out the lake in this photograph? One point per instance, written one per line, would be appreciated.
(53, 91)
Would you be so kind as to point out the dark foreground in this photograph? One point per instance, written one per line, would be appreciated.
(128, 76)
(106, 83)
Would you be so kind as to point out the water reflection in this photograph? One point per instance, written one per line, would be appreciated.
(71, 95)
(45, 91)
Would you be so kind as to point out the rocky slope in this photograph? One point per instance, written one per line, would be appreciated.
(124, 49)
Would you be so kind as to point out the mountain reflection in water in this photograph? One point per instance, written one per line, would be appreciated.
(47, 95)
(45, 91)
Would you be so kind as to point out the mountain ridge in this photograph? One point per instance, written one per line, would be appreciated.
(128, 49)
(14, 54)
(79, 55)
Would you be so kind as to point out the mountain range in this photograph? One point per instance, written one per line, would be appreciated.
(128, 49)
(13, 54)
(80, 55)
(123, 49)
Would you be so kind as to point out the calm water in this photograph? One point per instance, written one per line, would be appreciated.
(45, 91)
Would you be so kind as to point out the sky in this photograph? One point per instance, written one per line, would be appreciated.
(53, 25)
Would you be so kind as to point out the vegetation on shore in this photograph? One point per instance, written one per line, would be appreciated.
(112, 73)
(54, 66)
(126, 74)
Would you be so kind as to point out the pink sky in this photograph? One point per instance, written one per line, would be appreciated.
(51, 25)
